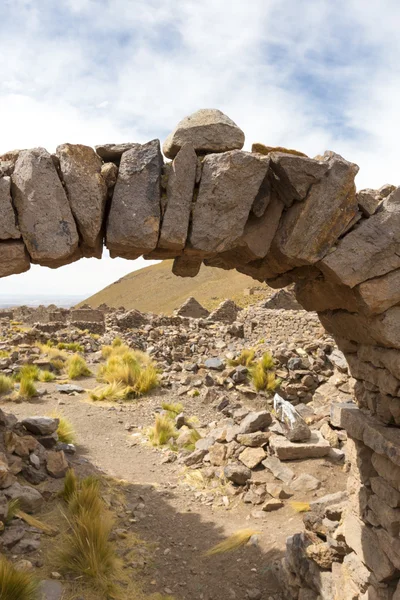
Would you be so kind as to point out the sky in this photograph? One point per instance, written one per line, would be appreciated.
(307, 74)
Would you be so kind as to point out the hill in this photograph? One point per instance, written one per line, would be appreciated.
(156, 289)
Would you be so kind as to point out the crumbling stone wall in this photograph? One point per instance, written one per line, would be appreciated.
(279, 216)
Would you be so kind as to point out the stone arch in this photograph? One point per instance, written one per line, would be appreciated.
(272, 213)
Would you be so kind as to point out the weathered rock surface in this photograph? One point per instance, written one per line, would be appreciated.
(133, 222)
(315, 447)
(180, 188)
(208, 130)
(44, 215)
(14, 258)
(41, 425)
(113, 152)
(87, 191)
(229, 185)
(8, 225)
(193, 309)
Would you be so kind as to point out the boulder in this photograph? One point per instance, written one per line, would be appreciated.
(208, 130)
(293, 425)
(41, 425)
(14, 258)
(229, 185)
(134, 218)
(113, 152)
(215, 364)
(296, 175)
(44, 215)
(87, 192)
(192, 308)
(255, 421)
(30, 500)
(180, 188)
(254, 440)
(251, 457)
(237, 473)
(8, 223)
(56, 464)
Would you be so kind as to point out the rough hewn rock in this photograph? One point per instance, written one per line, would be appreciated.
(251, 457)
(226, 312)
(14, 258)
(180, 187)
(368, 200)
(296, 175)
(284, 449)
(86, 191)
(44, 215)
(310, 228)
(113, 152)
(380, 293)
(371, 250)
(8, 226)
(229, 185)
(255, 421)
(237, 473)
(41, 425)
(186, 266)
(209, 130)
(134, 218)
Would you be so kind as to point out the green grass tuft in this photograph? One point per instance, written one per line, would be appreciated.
(72, 346)
(245, 358)
(65, 430)
(46, 376)
(28, 372)
(172, 409)
(263, 376)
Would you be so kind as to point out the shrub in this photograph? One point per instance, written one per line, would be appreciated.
(117, 342)
(6, 384)
(245, 358)
(162, 431)
(16, 585)
(27, 388)
(46, 376)
(77, 367)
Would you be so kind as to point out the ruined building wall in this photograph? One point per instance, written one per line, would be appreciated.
(276, 215)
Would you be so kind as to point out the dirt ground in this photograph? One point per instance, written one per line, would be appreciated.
(182, 523)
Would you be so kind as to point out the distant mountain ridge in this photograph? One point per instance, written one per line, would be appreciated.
(156, 289)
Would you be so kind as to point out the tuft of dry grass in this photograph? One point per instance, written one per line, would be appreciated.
(12, 509)
(111, 392)
(130, 368)
(65, 430)
(6, 384)
(162, 431)
(27, 388)
(237, 540)
(263, 376)
(16, 585)
(46, 376)
(245, 358)
(28, 372)
(72, 346)
(32, 522)
(70, 485)
(77, 367)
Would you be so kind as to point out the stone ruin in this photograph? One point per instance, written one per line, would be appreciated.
(282, 218)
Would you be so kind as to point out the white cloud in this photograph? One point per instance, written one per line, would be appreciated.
(308, 74)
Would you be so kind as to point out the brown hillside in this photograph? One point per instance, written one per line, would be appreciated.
(156, 289)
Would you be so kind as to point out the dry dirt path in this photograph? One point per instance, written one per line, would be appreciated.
(181, 526)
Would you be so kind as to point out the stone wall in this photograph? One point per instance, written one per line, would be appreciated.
(273, 214)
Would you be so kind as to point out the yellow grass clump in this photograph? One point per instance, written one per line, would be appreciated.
(77, 367)
(130, 368)
(173, 409)
(237, 540)
(46, 376)
(28, 372)
(111, 392)
(6, 384)
(162, 431)
(27, 388)
(16, 585)
(65, 430)
(263, 374)
(245, 358)
(86, 551)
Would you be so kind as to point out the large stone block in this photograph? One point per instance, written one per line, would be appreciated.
(388, 517)
(87, 192)
(229, 185)
(8, 225)
(44, 215)
(321, 294)
(315, 447)
(363, 540)
(134, 218)
(180, 188)
(387, 470)
(380, 293)
(385, 491)
(14, 258)
(370, 250)
(310, 228)
(378, 376)
(209, 130)
(296, 175)
(381, 357)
